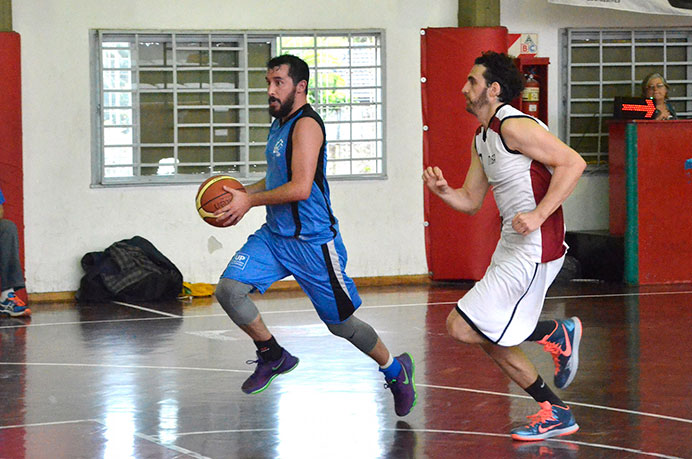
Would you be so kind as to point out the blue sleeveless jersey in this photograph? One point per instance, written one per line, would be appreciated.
(308, 220)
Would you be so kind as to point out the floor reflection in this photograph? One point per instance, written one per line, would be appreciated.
(305, 430)
(546, 449)
(120, 429)
(168, 420)
(403, 444)
(13, 336)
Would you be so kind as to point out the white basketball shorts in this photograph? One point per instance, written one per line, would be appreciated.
(505, 304)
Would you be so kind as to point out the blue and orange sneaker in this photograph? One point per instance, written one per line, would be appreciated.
(551, 421)
(265, 372)
(14, 306)
(403, 387)
(563, 344)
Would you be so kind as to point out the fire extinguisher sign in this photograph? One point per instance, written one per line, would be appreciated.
(530, 96)
(531, 93)
(522, 44)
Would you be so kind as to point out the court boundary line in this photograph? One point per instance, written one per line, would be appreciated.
(447, 431)
(610, 295)
(551, 440)
(403, 305)
(53, 423)
(128, 367)
(419, 384)
(142, 308)
(102, 321)
(149, 438)
(170, 446)
(156, 438)
(587, 405)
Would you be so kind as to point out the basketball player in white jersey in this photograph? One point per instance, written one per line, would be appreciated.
(531, 173)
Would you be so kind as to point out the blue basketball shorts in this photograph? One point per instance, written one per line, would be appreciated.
(319, 269)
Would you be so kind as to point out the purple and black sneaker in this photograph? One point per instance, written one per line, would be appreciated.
(265, 372)
(403, 387)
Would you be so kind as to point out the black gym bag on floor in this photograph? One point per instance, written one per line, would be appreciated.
(129, 270)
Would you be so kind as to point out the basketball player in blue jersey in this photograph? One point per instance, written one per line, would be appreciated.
(531, 173)
(300, 238)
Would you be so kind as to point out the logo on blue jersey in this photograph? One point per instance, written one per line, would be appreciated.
(240, 260)
(278, 146)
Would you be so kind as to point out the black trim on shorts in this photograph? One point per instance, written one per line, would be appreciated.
(516, 306)
(470, 322)
(344, 305)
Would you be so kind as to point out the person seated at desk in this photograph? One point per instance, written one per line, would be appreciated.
(656, 87)
(11, 276)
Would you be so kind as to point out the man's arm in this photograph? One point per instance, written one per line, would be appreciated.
(307, 140)
(526, 136)
(2, 212)
(256, 187)
(469, 198)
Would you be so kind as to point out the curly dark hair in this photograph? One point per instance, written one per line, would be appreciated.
(500, 68)
(298, 69)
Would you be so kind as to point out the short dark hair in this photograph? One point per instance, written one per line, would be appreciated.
(500, 68)
(298, 69)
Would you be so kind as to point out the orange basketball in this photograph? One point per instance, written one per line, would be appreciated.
(211, 196)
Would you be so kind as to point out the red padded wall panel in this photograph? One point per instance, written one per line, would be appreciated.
(11, 172)
(458, 246)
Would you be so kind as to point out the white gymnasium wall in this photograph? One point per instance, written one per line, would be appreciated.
(587, 207)
(381, 221)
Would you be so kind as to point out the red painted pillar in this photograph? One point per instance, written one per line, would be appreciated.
(11, 171)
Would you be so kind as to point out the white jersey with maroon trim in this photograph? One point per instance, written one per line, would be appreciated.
(519, 183)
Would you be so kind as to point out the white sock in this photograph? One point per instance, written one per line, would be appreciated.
(3, 295)
(389, 362)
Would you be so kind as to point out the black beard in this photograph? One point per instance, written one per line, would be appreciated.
(479, 103)
(284, 108)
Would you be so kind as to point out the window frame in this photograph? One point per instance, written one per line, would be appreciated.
(275, 38)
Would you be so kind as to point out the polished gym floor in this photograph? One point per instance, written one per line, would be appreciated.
(163, 381)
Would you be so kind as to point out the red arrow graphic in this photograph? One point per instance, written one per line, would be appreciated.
(649, 108)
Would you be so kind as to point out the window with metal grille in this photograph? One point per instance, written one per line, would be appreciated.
(601, 64)
(175, 107)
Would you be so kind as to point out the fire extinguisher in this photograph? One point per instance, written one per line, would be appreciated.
(530, 96)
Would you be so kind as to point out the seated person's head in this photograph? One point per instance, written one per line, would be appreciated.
(655, 86)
